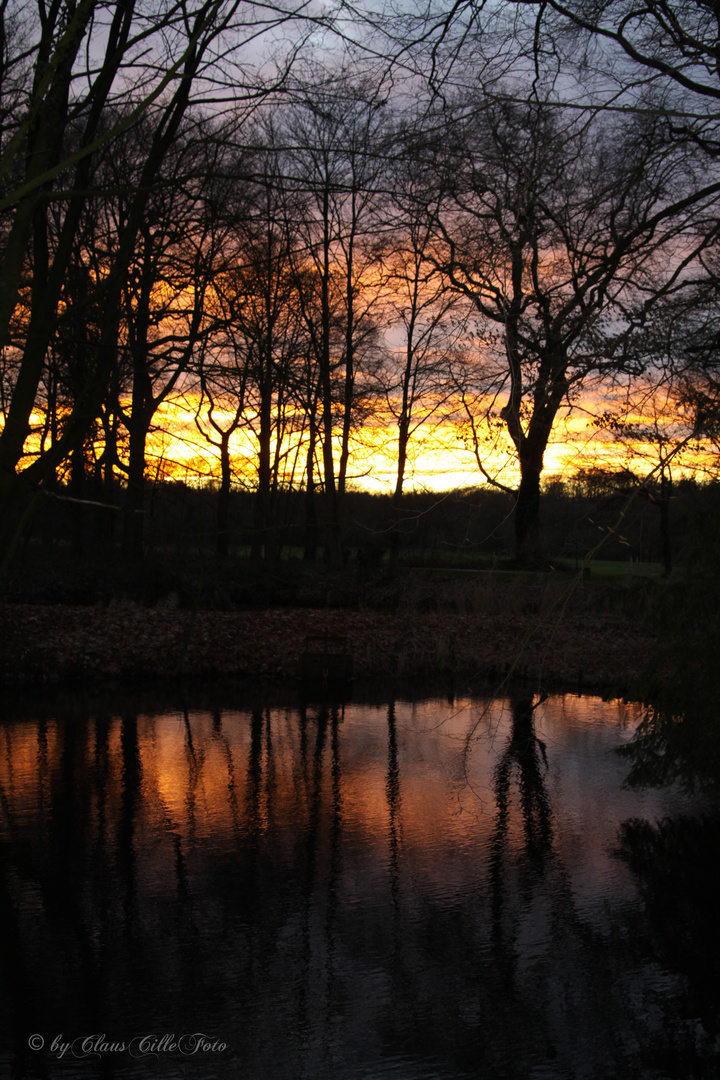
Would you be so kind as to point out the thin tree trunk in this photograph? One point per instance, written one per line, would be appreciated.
(665, 493)
(331, 501)
(349, 393)
(223, 503)
(77, 510)
(403, 428)
(133, 520)
(107, 519)
(262, 540)
(311, 521)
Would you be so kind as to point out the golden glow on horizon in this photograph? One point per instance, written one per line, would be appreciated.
(440, 456)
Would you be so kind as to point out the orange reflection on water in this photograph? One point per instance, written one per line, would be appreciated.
(430, 766)
(298, 881)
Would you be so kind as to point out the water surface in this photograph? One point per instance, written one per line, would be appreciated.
(431, 889)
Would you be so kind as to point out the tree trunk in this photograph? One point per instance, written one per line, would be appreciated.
(133, 519)
(263, 539)
(105, 485)
(349, 392)
(665, 493)
(223, 503)
(527, 512)
(311, 521)
(531, 452)
(403, 427)
(334, 550)
(77, 510)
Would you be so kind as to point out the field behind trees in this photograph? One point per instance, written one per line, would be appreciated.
(71, 551)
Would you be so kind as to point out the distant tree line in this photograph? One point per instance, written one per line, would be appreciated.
(514, 215)
(596, 517)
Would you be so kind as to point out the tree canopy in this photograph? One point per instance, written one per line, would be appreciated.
(324, 227)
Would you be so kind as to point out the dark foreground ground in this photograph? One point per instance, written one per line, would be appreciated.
(552, 629)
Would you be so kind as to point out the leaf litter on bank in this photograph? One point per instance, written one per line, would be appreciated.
(49, 644)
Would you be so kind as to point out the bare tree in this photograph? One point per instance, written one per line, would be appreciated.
(218, 415)
(332, 133)
(163, 313)
(268, 322)
(62, 74)
(552, 229)
(653, 439)
(625, 47)
(425, 322)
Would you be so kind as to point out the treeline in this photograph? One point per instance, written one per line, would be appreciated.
(468, 529)
(507, 224)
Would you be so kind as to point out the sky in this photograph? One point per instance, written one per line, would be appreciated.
(439, 458)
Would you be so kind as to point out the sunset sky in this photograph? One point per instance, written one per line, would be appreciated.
(440, 457)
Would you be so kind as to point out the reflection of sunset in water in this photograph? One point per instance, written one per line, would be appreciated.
(206, 776)
(338, 886)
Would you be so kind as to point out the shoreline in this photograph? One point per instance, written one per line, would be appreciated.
(51, 646)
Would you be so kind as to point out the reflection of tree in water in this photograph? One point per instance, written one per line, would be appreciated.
(677, 743)
(453, 957)
(87, 935)
(126, 834)
(524, 756)
(561, 997)
(255, 896)
(56, 883)
(288, 890)
(523, 761)
(392, 791)
(677, 864)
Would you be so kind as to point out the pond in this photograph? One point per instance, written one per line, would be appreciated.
(440, 888)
